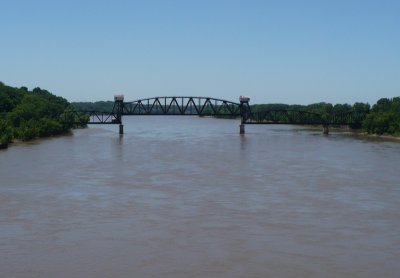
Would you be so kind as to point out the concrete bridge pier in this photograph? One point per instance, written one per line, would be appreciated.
(325, 130)
(241, 128)
(121, 129)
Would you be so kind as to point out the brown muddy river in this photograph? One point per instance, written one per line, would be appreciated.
(190, 197)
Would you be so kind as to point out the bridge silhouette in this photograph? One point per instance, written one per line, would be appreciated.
(212, 107)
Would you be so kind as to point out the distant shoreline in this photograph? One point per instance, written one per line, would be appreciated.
(363, 134)
(357, 133)
(384, 136)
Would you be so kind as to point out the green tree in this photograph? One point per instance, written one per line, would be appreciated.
(28, 114)
(384, 117)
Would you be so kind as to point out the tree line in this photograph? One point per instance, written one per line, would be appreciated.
(384, 117)
(25, 114)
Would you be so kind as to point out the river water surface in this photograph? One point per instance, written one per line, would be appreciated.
(190, 197)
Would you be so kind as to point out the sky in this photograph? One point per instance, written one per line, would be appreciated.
(295, 52)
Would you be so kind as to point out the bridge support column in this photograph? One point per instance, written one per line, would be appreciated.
(241, 128)
(325, 130)
(118, 110)
(244, 111)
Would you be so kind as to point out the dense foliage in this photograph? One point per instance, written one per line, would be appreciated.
(28, 114)
(384, 117)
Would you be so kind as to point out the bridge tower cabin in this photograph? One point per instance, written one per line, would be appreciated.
(244, 111)
(118, 110)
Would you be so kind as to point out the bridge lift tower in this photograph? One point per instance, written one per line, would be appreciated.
(119, 107)
(244, 112)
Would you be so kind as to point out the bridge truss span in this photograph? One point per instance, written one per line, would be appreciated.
(189, 106)
(89, 117)
(285, 116)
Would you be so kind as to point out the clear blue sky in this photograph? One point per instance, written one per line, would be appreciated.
(338, 51)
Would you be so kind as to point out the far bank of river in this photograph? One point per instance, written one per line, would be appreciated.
(359, 133)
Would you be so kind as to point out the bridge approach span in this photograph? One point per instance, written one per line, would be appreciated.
(285, 116)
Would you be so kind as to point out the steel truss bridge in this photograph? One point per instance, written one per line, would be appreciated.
(211, 107)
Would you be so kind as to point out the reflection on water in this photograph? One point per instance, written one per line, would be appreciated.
(190, 197)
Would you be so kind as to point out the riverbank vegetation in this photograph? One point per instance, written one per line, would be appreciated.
(25, 114)
(384, 117)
